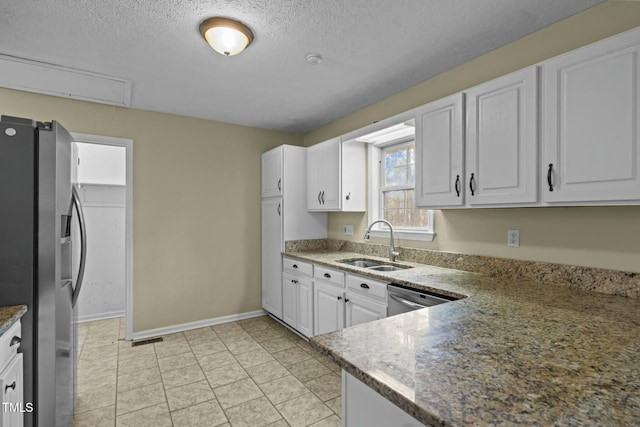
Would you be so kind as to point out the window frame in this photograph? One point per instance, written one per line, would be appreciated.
(374, 209)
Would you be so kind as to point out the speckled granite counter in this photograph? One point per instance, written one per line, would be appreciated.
(10, 315)
(509, 353)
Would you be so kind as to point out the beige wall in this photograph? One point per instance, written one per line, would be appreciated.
(196, 189)
(605, 237)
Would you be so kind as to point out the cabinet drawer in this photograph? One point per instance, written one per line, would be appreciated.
(7, 351)
(297, 266)
(335, 277)
(367, 286)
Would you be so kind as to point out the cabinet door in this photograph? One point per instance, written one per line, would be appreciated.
(315, 159)
(502, 140)
(289, 299)
(328, 304)
(331, 175)
(304, 319)
(591, 147)
(272, 173)
(272, 247)
(362, 310)
(362, 406)
(439, 155)
(353, 172)
(13, 404)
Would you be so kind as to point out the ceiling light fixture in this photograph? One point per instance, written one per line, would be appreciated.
(226, 36)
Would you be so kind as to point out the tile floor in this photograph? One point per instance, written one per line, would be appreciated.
(252, 372)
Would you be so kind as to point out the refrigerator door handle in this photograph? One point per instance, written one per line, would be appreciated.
(75, 198)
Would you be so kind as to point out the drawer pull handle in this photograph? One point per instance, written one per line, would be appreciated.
(458, 185)
(294, 281)
(12, 386)
(471, 186)
(14, 341)
(364, 286)
(327, 275)
(549, 172)
(295, 266)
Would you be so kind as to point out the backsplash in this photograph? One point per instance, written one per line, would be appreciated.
(610, 282)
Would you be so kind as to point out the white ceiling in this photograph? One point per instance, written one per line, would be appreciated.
(371, 49)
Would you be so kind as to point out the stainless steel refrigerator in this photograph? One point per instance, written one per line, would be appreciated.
(37, 202)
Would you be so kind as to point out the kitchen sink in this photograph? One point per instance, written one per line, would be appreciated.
(386, 268)
(372, 264)
(362, 263)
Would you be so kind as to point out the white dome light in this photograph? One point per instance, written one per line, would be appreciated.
(226, 36)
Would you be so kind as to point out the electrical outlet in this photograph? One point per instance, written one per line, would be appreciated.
(513, 238)
(348, 230)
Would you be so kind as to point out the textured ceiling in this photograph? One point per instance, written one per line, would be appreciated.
(371, 49)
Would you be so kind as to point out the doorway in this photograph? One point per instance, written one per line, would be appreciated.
(102, 167)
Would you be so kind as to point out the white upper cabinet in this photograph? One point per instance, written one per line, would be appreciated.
(590, 145)
(336, 176)
(272, 173)
(502, 140)
(439, 153)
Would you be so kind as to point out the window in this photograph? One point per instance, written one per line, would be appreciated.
(397, 192)
(392, 190)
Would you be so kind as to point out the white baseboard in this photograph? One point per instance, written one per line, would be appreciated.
(152, 333)
(100, 316)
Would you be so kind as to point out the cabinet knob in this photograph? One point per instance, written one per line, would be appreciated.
(294, 281)
(339, 298)
(12, 386)
(295, 265)
(346, 300)
(14, 341)
(348, 196)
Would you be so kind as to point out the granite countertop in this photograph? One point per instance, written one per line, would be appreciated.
(10, 315)
(508, 353)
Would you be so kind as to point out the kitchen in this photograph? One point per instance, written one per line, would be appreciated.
(174, 153)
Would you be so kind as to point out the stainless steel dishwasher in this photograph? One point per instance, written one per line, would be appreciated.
(401, 300)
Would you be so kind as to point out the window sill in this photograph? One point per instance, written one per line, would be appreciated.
(425, 236)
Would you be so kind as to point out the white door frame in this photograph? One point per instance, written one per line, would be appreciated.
(128, 215)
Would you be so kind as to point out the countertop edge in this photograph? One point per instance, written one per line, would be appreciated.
(10, 315)
(420, 414)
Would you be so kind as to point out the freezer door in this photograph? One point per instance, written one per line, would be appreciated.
(56, 336)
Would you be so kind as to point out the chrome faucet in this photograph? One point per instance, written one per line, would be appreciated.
(392, 249)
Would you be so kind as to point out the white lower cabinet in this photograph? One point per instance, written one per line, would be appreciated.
(11, 372)
(362, 406)
(346, 300)
(297, 295)
(361, 309)
(328, 308)
(365, 300)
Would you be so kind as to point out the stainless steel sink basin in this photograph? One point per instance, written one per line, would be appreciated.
(386, 268)
(362, 263)
(372, 264)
